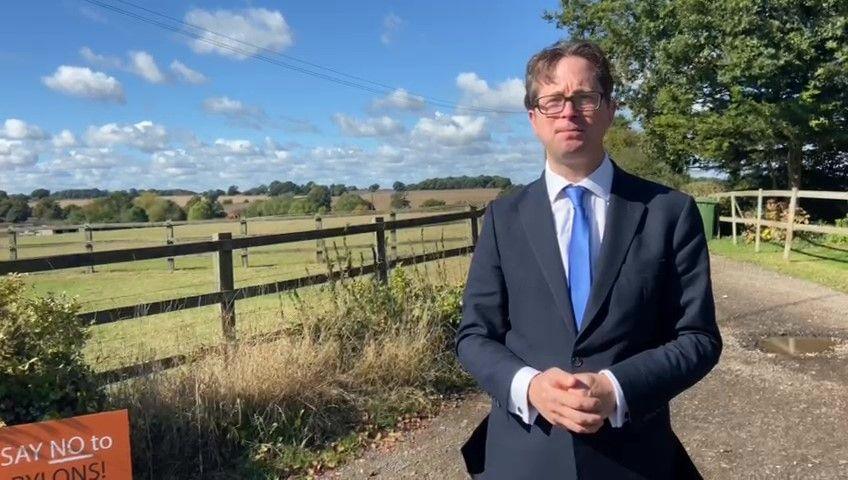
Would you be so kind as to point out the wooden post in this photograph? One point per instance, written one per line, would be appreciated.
(244, 262)
(169, 240)
(223, 264)
(89, 243)
(13, 244)
(382, 265)
(319, 242)
(793, 204)
(393, 236)
(759, 219)
(733, 215)
(473, 221)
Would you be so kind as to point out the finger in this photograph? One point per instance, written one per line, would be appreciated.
(563, 380)
(583, 419)
(578, 400)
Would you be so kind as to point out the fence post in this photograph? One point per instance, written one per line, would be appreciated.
(169, 240)
(244, 262)
(13, 244)
(382, 265)
(793, 204)
(733, 215)
(393, 236)
(223, 263)
(759, 219)
(319, 242)
(473, 220)
(89, 243)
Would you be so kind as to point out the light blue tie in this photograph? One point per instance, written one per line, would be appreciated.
(579, 257)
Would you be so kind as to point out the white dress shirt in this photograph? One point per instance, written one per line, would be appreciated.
(598, 183)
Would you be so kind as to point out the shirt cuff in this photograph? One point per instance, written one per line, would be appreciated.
(517, 402)
(619, 416)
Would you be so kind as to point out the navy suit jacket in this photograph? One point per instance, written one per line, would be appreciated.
(650, 319)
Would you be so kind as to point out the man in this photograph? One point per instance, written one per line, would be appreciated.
(588, 304)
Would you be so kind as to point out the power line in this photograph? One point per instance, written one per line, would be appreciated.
(360, 83)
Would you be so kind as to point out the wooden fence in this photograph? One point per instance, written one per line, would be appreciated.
(225, 295)
(794, 195)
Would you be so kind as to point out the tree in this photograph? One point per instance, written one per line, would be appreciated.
(201, 210)
(15, 210)
(39, 193)
(398, 186)
(320, 196)
(729, 84)
(374, 187)
(47, 209)
(233, 190)
(133, 215)
(351, 202)
(399, 200)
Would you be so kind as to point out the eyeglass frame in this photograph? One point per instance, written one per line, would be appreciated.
(569, 98)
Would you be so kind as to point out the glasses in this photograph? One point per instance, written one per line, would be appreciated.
(583, 101)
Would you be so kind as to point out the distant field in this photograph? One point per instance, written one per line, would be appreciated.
(127, 342)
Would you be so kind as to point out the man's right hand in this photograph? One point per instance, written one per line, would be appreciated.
(564, 401)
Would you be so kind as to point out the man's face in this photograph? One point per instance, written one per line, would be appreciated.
(572, 134)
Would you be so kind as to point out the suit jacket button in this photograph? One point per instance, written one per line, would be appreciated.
(576, 362)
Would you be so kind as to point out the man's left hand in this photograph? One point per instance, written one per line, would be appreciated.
(600, 387)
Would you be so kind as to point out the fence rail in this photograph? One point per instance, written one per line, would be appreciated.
(794, 195)
(222, 246)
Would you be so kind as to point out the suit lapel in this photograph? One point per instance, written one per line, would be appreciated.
(624, 215)
(538, 222)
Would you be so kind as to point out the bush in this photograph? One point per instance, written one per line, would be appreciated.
(703, 188)
(47, 209)
(159, 209)
(201, 210)
(42, 371)
(351, 202)
(839, 239)
(357, 357)
(399, 200)
(432, 202)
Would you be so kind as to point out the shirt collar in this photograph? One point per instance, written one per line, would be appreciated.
(598, 182)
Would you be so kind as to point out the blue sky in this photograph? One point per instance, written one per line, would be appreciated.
(93, 98)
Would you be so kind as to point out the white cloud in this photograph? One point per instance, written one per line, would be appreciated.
(507, 95)
(87, 159)
(14, 154)
(372, 127)
(102, 61)
(85, 83)
(454, 130)
(145, 136)
(399, 99)
(236, 111)
(186, 74)
(177, 163)
(16, 129)
(236, 147)
(247, 31)
(391, 24)
(145, 66)
(64, 139)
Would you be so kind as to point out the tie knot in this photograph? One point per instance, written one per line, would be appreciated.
(575, 194)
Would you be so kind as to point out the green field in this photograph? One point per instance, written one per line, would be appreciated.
(130, 341)
(817, 262)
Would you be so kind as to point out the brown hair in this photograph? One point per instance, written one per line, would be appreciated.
(541, 65)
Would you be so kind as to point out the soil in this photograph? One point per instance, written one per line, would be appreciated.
(757, 415)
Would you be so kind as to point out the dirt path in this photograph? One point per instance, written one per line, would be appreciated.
(757, 415)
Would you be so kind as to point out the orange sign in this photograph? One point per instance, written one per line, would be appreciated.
(89, 447)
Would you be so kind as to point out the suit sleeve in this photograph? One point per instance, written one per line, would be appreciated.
(650, 379)
(480, 336)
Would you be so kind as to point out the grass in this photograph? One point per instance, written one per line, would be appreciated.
(809, 259)
(145, 338)
(348, 368)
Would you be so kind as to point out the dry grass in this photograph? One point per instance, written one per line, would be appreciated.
(343, 370)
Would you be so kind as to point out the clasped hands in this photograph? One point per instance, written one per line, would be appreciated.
(578, 402)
